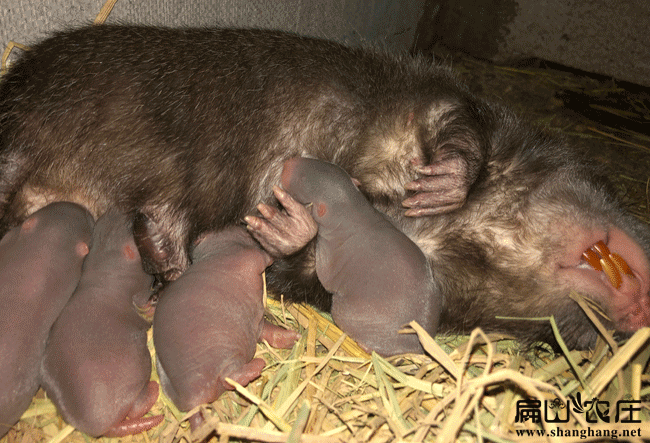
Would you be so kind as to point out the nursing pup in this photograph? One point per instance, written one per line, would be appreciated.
(379, 279)
(208, 321)
(97, 366)
(40, 265)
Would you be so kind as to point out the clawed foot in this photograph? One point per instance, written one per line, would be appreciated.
(282, 232)
(443, 187)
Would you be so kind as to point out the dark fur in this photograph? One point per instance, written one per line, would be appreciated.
(187, 130)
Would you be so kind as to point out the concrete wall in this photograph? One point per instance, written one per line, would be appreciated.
(601, 36)
(385, 22)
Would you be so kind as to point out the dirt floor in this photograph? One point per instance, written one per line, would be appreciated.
(610, 120)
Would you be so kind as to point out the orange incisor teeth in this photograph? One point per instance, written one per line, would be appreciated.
(592, 257)
(599, 258)
(602, 249)
(620, 263)
(611, 271)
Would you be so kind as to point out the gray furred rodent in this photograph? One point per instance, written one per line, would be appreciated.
(188, 130)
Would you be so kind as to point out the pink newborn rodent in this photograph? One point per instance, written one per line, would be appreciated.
(208, 321)
(97, 366)
(40, 266)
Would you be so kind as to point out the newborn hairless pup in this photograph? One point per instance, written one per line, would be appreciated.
(208, 321)
(40, 265)
(97, 365)
(379, 278)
